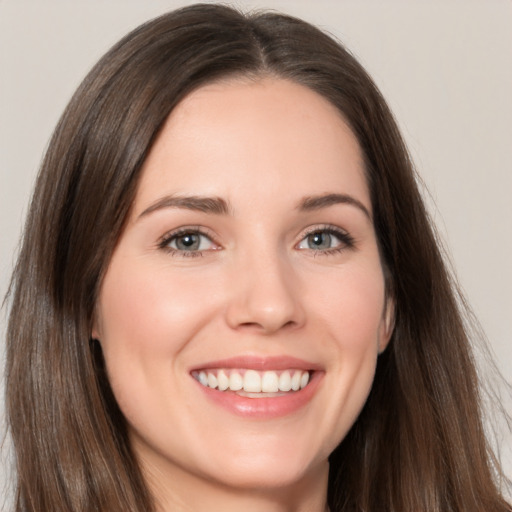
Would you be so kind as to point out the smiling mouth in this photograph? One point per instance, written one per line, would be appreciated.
(252, 383)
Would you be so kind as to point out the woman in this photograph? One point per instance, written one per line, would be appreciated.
(236, 299)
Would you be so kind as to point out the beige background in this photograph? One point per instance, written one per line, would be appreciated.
(444, 66)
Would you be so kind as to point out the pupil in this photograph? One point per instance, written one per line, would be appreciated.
(189, 241)
(320, 240)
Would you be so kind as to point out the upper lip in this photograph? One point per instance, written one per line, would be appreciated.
(260, 363)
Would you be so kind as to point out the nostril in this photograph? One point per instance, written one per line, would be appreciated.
(267, 327)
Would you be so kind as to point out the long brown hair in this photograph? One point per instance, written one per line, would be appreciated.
(419, 443)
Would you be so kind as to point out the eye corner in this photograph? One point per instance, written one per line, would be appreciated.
(188, 241)
(327, 239)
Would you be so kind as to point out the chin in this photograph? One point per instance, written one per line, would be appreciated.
(273, 475)
(267, 468)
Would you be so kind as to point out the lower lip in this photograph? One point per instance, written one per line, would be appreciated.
(266, 407)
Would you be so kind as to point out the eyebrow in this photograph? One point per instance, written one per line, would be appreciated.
(219, 206)
(311, 203)
(215, 205)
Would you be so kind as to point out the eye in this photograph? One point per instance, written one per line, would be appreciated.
(187, 241)
(326, 240)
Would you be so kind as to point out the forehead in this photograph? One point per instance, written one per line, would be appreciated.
(253, 137)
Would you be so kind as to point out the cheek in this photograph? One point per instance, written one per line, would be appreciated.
(353, 312)
(150, 311)
(352, 306)
(147, 315)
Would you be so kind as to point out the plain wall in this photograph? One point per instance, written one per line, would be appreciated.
(445, 68)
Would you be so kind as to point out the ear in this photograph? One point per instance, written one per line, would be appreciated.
(96, 325)
(388, 324)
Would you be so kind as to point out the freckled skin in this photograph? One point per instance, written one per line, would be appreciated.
(255, 288)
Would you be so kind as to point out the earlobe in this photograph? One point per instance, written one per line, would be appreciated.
(95, 330)
(387, 325)
(95, 335)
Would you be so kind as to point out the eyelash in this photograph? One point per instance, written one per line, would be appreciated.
(173, 235)
(347, 241)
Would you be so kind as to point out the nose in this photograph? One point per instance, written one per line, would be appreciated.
(264, 296)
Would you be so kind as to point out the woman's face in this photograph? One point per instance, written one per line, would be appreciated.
(250, 264)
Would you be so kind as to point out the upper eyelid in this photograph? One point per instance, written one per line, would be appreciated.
(187, 229)
(343, 235)
(173, 233)
(204, 231)
(322, 227)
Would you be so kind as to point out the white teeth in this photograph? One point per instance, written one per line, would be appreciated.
(296, 381)
(203, 379)
(223, 380)
(212, 380)
(254, 382)
(270, 382)
(236, 383)
(285, 381)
